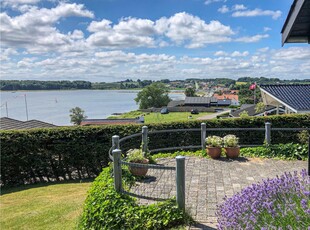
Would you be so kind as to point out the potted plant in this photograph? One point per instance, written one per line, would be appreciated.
(231, 146)
(214, 147)
(137, 156)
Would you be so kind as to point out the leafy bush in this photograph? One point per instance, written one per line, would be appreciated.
(38, 155)
(279, 203)
(288, 151)
(106, 209)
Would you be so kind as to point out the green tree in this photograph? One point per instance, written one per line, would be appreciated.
(244, 114)
(190, 92)
(260, 107)
(154, 95)
(77, 115)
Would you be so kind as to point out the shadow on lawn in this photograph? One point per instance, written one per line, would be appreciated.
(8, 190)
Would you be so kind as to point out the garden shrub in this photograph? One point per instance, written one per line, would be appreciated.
(279, 203)
(106, 209)
(289, 151)
(38, 155)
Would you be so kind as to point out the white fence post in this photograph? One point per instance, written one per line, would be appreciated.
(117, 169)
(180, 181)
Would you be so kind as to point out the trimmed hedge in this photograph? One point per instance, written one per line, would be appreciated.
(38, 155)
(106, 209)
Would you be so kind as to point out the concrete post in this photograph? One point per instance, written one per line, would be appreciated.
(203, 136)
(180, 181)
(268, 133)
(144, 139)
(115, 142)
(117, 170)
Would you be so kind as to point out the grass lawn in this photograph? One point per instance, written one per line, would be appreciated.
(53, 206)
(159, 118)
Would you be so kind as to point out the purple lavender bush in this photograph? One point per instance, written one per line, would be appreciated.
(279, 203)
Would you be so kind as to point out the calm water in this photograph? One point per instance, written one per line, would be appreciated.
(54, 106)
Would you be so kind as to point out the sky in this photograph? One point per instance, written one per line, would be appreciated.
(113, 40)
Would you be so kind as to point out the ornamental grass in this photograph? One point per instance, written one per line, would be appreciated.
(279, 203)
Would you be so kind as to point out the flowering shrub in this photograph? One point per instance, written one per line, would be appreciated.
(214, 141)
(282, 202)
(230, 141)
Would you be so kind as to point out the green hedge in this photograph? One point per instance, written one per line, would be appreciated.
(38, 155)
(106, 209)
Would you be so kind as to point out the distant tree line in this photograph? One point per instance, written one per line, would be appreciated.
(131, 84)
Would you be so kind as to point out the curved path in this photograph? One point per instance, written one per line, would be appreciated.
(208, 181)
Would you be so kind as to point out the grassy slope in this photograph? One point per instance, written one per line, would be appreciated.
(158, 118)
(56, 206)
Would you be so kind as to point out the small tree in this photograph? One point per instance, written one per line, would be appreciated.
(77, 115)
(260, 107)
(190, 92)
(154, 95)
(244, 114)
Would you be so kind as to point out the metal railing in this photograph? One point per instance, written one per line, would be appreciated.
(115, 152)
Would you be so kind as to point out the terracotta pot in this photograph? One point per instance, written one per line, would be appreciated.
(232, 152)
(139, 171)
(214, 152)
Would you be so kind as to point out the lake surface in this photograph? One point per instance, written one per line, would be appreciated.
(53, 106)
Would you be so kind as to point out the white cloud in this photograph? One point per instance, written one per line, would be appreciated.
(224, 9)
(208, 2)
(35, 30)
(239, 54)
(255, 38)
(267, 29)
(258, 12)
(239, 7)
(292, 53)
(220, 53)
(194, 32)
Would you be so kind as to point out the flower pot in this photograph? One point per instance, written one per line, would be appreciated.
(214, 152)
(232, 152)
(139, 171)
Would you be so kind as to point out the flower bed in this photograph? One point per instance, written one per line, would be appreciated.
(282, 202)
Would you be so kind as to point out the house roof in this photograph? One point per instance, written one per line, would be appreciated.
(297, 24)
(175, 103)
(223, 102)
(10, 124)
(294, 96)
(250, 108)
(200, 100)
(226, 96)
(109, 121)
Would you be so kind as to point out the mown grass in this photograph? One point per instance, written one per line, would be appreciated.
(160, 118)
(52, 206)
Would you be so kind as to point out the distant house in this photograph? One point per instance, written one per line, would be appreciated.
(124, 121)
(294, 98)
(231, 96)
(200, 101)
(250, 109)
(223, 102)
(12, 124)
(176, 103)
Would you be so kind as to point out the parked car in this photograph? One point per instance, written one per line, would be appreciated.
(194, 111)
(164, 111)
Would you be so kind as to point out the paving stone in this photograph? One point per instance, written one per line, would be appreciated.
(208, 182)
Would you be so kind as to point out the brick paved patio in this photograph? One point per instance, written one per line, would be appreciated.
(208, 181)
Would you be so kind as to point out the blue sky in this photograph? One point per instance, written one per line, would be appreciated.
(112, 40)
